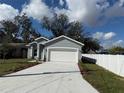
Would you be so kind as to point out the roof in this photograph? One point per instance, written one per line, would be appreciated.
(41, 38)
(62, 36)
(35, 41)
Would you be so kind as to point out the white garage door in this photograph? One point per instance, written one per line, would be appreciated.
(63, 55)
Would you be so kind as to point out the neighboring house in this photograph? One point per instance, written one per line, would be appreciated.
(59, 49)
(17, 50)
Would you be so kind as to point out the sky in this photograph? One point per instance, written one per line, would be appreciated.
(103, 19)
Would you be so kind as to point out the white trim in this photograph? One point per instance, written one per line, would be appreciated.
(66, 38)
(36, 41)
(41, 38)
(71, 48)
(47, 55)
(61, 48)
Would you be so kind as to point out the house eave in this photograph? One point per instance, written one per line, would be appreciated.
(64, 37)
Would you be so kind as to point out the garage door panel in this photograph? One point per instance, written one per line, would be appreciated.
(59, 55)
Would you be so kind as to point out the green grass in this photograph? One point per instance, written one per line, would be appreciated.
(14, 65)
(103, 80)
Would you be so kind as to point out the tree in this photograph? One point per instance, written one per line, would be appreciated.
(26, 29)
(116, 50)
(75, 31)
(8, 34)
(10, 31)
(2, 35)
(57, 25)
(34, 34)
(90, 44)
(60, 25)
(4, 48)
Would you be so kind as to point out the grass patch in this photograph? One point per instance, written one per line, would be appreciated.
(14, 65)
(103, 80)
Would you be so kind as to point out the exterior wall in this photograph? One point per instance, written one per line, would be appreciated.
(65, 43)
(30, 52)
(41, 54)
(113, 63)
(42, 51)
(41, 41)
(31, 49)
(79, 55)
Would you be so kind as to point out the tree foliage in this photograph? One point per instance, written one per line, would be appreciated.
(75, 31)
(2, 35)
(18, 30)
(26, 29)
(9, 31)
(60, 25)
(91, 44)
(4, 50)
(116, 50)
(20, 27)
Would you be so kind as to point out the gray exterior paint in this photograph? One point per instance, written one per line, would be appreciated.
(60, 42)
(64, 43)
(37, 44)
(40, 41)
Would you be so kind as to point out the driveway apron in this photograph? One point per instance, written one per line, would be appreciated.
(49, 77)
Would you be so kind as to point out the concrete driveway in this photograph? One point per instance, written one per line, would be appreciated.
(48, 77)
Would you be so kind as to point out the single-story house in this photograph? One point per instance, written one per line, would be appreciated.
(59, 49)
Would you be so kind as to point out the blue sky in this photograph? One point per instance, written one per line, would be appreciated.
(104, 20)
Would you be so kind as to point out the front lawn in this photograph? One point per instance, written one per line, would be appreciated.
(103, 80)
(14, 65)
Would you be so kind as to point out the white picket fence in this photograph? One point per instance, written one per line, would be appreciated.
(113, 63)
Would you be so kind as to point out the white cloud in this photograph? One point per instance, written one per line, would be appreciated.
(110, 43)
(98, 35)
(61, 2)
(121, 2)
(104, 36)
(7, 12)
(78, 10)
(116, 10)
(107, 44)
(37, 9)
(118, 43)
(107, 39)
(81, 10)
(109, 35)
(93, 12)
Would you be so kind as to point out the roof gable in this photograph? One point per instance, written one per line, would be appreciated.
(41, 38)
(37, 40)
(63, 37)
